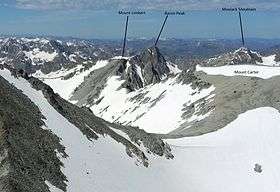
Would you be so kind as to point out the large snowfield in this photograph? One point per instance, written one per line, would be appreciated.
(36, 54)
(162, 116)
(270, 61)
(220, 161)
(264, 72)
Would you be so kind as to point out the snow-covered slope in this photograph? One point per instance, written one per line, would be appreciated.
(131, 91)
(263, 72)
(218, 161)
(223, 160)
(65, 86)
(270, 61)
(156, 108)
(37, 55)
(82, 154)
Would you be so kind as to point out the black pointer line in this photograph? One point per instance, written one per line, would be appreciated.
(161, 30)
(125, 34)
(241, 28)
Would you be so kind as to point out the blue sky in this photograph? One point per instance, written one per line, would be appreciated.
(99, 19)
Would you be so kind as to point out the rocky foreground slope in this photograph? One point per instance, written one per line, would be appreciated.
(47, 142)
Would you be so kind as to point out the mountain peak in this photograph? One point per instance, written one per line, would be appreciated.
(242, 49)
(153, 49)
(153, 53)
(243, 55)
(140, 70)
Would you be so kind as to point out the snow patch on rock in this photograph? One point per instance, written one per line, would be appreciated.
(37, 55)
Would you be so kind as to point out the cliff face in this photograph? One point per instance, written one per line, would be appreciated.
(147, 68)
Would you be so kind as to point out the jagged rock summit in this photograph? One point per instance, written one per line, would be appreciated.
(144, 69)
(135, 72)
(240, 56)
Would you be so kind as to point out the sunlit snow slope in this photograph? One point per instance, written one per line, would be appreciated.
(270, 61)
(159, 109)
(84, 156)
(65, 87)
(219, 161)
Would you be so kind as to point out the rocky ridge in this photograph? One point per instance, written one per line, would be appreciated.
(28, 152)
(135, 72)
(49, 55)
(240, 56)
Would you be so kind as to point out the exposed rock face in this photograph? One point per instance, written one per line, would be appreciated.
(277, 57)
(133, 77)
(27, 152)
(238, 57)
(147, 68)
(258, 168)
(153, 65)
(189, 77)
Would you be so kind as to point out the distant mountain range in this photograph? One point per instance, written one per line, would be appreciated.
(33, 53)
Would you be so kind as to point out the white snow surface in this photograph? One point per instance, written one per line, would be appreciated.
(173, 68)
(163, 117)
(37, 55)
(264, 72)
(220, 161)
(120, 57)
(80, 167)
(269, 61)
(64, 87)
(41, 40)
(72, 57)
